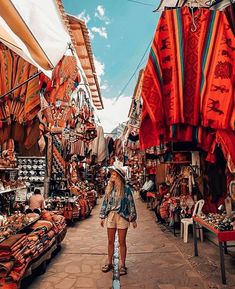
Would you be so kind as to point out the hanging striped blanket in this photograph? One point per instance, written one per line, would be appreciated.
(119, 151)
(58, 162)
(189, 75)
(24, 102)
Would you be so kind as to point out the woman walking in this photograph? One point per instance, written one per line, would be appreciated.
(118, 209)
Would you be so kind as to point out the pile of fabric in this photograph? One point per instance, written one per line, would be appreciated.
(18, 251)
(14, 258)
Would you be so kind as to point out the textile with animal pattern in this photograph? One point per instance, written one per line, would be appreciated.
(189, 75)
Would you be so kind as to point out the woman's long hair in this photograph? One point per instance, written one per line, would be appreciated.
(118, 185)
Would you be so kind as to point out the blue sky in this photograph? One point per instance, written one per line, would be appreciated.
(120, 33)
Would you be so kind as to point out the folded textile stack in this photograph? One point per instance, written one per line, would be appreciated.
(14, 257)
(18, 251)
(59, 223)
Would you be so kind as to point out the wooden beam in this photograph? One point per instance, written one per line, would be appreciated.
(84, 57)
(86, 67)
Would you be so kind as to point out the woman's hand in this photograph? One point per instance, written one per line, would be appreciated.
(102, 222)
(134, 224)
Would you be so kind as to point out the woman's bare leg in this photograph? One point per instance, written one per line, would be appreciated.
(122, 244)
(111, 239)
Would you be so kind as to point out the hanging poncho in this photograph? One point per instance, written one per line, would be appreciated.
(189, 74)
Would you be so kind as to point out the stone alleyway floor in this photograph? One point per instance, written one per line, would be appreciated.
(156, 259)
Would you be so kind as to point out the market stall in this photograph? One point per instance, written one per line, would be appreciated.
(46, 127)
(222, 237)
(187, 115)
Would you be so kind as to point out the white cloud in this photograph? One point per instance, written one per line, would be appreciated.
(91, 34)
(99, 67)
(101, 31)
(85, 17)
(108, 45)
(114, 112)
(100, 13)
(104, 86)
(100, 71)
(100, 10)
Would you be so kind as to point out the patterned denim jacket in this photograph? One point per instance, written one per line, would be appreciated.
(127, 208)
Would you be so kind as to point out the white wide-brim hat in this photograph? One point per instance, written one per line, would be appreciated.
(118, 170)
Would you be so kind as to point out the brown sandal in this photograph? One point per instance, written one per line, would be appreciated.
(107, 267)
(123, 271)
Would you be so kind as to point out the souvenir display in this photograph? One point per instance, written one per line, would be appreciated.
(7, 155)
(32, 169)
(13, 224)
(220, 221)
(10, 185)
(66, 206)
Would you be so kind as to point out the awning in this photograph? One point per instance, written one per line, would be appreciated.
(83, 49)
(35, 30)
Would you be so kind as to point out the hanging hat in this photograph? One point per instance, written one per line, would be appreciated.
(118, 170)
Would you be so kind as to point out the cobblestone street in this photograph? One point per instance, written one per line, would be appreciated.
(156, 259)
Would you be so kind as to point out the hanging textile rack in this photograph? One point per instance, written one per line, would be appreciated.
(181, 3)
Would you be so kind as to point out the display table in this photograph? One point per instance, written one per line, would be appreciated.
(222, 236)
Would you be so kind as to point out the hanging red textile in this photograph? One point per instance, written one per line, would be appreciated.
(65, 78)
(189, 75)
(24, 102)
(226, 139)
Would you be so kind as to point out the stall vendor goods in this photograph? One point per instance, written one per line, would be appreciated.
(20, 250)
(219, 221)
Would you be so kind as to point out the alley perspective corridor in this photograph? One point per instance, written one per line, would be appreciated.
(153, 261)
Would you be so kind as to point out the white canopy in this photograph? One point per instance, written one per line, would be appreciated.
(35, 30)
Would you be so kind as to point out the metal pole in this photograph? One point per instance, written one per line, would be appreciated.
(195, 239)
(21, 84)
(222, 266)
(225, 248)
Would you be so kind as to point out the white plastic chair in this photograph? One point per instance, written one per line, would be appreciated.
(1, 220)
(186, 222)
